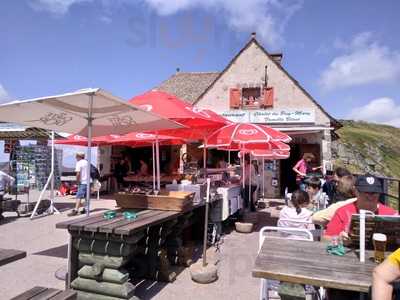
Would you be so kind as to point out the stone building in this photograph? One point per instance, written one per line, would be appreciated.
(255, 87)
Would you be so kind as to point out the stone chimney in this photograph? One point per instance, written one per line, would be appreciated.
(277, 57)
(253, 35)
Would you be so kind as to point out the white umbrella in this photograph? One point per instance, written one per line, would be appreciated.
(87, 112)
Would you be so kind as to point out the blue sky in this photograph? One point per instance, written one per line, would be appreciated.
(345, 53)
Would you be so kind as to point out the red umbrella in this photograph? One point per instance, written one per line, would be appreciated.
(141, 139)
(172, 107)
(78, 140)
(269, 146)
(199, 122)
(245, 133)
(270, 154)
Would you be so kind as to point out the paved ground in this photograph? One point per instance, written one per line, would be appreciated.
(46, 249)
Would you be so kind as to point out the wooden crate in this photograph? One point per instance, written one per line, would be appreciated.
(172, 200)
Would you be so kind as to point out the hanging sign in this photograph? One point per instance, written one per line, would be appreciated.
(237, 116)
(283, 116)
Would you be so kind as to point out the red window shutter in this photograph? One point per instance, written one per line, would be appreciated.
(234, 98)
(268, 97)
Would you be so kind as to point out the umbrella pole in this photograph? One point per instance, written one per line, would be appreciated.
(250, 195)
(154, 167)
(204, 157)
(263, 180)
(89, 154)
(158, 163)
(229, 157)
(206, 224)
(52, 209)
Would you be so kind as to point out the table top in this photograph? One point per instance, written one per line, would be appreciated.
(307, 262)
(10, 255)
(118, 225)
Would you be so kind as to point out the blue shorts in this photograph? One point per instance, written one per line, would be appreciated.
(81, 193)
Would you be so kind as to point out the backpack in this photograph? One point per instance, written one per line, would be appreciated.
(94, 172)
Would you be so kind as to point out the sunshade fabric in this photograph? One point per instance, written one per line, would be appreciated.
(69, 113)
(270, 154)
(200, 122)
(245, 133)
(78, 140)
(138, 139)
(267, 146)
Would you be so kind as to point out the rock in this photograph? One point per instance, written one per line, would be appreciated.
(204, 275)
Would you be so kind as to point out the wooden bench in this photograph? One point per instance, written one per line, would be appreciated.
(10, 255)
(42, 293)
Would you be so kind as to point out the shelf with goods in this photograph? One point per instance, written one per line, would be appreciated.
(31, 166)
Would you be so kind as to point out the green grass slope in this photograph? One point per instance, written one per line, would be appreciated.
(367, 147)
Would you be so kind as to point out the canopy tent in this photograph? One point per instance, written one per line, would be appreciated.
(133, 139)
(140, 139)
(88, 112)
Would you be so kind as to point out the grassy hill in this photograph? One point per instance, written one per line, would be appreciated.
(367, 147)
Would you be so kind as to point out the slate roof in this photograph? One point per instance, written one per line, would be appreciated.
(19, 132)
(188, 85)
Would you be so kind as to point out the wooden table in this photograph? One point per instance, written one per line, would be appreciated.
(308, 263)
(10, 255)
(42, 293)
(124, 241)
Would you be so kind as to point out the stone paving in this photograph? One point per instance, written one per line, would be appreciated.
(46, 249)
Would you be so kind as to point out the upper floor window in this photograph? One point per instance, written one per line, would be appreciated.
(251, 98)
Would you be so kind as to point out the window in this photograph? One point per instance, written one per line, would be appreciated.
(251, 97)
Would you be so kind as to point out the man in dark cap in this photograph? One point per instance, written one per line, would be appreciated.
(368, 190)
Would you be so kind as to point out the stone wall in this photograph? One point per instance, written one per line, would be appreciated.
(248, 70)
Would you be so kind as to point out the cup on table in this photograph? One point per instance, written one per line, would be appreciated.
(379, 240)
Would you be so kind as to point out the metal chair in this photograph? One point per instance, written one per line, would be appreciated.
(288, 233)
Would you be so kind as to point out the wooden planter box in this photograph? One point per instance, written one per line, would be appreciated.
(173, 200)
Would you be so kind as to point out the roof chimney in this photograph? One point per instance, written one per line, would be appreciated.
(277, 57)
(253, 35)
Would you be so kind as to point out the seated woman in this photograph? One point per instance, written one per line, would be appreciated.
(296, 215)
(347, 189)
(144, 169)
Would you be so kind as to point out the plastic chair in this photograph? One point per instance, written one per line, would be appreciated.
(290, 233)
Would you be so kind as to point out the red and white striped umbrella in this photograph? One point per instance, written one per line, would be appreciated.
(245, 133)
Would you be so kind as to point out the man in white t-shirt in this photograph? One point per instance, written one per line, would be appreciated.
(82, 178)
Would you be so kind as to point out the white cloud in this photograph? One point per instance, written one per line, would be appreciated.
(364, 61)
(4, 96)
(266, 17)
(56, 7)
(381, 110)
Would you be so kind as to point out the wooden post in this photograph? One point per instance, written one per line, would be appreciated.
(398, 197)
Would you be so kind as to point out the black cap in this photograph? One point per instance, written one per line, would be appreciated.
(369, 184)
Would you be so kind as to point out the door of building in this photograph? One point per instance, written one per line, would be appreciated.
(288, 176)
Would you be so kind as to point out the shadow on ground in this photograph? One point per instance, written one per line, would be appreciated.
(60, 251)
